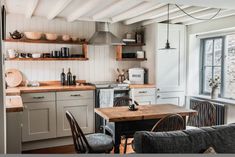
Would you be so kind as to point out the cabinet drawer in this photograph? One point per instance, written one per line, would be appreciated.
(144, 91)
(74, 95)
(38, 97)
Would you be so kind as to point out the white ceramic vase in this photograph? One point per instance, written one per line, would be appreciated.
(214, 93)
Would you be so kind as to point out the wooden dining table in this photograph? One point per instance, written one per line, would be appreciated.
(127, 122)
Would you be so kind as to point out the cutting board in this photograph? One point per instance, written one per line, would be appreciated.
(13, 77)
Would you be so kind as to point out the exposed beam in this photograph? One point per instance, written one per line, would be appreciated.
(83, 9)
(138, 10)
(57, 8)
(118, 5)
(32, 4)
(220, 15)
(152, 14)
(202, 14)
(175, 15)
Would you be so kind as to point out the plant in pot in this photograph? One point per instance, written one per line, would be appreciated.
(214, 84)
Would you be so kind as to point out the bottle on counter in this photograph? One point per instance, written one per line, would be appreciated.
(74, 80)
(63, 78)
(69, 78)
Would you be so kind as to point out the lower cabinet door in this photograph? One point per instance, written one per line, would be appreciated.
(82, 110)
(176, 98)
(39, 121)
(145, 100)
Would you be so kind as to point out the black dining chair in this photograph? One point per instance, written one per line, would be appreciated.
(91, 143)
(109, 127)
(171, 122)
(206, 115)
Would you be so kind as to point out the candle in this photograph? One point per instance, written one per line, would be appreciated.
(132, 96)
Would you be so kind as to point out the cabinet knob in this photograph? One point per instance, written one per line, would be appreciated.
(158, 96)
(142, 92)
(158, 89)
(39, 97)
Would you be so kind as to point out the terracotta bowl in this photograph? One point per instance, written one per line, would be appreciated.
(33, 35)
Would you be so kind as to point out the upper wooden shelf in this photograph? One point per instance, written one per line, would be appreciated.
(134, 44)
(47, 59)
(44, 41)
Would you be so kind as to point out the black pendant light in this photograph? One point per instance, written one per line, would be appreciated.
(167, 46)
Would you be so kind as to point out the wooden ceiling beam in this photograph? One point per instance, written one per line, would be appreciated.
(58, 8)
(138, 10)
(152, 14)
(118, 5)
(32, 5)
(174, 15)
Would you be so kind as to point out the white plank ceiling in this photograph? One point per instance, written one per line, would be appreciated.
(126, 11)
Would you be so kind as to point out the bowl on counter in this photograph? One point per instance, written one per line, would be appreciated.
(51, 36)
(66, 37)
(36, 55)
(74, 38)
(33, 35)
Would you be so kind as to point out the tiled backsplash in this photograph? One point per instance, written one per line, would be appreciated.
(101, 65)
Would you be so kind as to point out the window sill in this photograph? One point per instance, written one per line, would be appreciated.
(218, 100)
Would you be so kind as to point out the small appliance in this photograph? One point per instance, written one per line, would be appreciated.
(136, 75)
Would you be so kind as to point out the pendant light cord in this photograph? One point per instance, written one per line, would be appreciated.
(168, 18)
(196, 17)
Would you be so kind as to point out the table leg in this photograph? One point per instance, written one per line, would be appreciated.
(117, 139)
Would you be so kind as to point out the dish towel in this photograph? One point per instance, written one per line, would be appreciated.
(106, 97)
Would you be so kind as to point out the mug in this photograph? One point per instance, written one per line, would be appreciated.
(12, 53)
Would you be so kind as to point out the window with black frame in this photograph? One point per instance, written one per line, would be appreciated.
(218, 60)
(212, 62)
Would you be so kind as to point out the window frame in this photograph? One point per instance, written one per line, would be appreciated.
(202, 64)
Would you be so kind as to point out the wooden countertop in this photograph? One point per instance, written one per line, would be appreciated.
(14, 104)
(142, 86)
(118, 114)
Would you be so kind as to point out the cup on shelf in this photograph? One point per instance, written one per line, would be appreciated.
(36, 55)
(29, 55)
(12, 53)
(65, 52)
(56, 54)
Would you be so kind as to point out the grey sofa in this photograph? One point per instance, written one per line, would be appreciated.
(221, 138)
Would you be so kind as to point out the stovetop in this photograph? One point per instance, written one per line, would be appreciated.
(111, 84)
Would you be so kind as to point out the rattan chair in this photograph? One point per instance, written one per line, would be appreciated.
(109, 127)
(91, 143)
(171, 122)
(206, 115)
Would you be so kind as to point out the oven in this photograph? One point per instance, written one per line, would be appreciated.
(119, 91)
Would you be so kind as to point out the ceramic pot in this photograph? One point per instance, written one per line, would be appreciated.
(214, 93)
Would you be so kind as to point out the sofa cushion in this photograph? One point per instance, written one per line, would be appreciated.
(221, 138)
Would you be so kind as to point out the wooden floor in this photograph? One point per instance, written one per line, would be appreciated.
(69, 149)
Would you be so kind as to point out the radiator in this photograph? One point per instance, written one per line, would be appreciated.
(220, 109)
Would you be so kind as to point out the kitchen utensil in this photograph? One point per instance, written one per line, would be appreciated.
(33, 35)
(36, 55)
(12, 53)
(13, 77)
(51, 36)
(65, 52)
(22, 55)
(16, 35)
(121, 75)
(56, 54)
(29, 55)
(66, 37)
(140, 54)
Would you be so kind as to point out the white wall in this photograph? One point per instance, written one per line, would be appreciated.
(101, 66)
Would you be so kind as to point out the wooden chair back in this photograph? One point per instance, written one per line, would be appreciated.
(206, 115)
(80, 142)
(123, 101)
(171, 122)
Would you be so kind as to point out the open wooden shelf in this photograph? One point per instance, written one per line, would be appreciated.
(131, 59)
(47, 59)
(45, 41)
(134, 44)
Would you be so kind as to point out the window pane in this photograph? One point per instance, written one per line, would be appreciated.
(207, 77)
(217, 72)
(217, 52)
(208, 52)
(229, 87)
